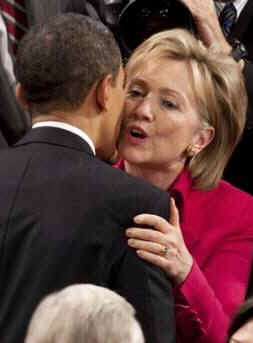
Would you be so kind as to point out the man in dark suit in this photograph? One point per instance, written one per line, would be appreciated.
(242, 29)
(63, 211)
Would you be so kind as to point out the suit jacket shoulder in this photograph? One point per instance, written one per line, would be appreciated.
(64, 222)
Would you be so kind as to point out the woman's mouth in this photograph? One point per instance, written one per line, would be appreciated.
(136, 135)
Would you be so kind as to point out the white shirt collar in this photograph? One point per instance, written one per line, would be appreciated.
(239, 5)
(67, 127)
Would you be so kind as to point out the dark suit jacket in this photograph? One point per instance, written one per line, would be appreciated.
(243, 30)
(63, 214)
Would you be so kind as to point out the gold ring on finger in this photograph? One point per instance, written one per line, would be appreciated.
(164, 250)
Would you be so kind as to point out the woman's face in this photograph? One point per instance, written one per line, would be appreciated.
(160, 117)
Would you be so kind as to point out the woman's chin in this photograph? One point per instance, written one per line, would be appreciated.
(132, 157)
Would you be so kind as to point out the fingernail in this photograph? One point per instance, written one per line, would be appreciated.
(130, 242)
(128, 232)
(138, 219)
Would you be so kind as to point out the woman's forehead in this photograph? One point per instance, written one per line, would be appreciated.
(164, 72)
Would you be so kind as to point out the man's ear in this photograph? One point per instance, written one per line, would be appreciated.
(103, 93)
(19, 91)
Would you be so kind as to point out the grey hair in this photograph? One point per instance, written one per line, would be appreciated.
(84, 313)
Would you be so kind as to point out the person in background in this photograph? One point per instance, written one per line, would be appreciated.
(15, 16)
(241, 329)
(84, 313)
(5, 56)
(216, 30)
(236, 20)
(40, 11)
(14, 122)
(183, 116)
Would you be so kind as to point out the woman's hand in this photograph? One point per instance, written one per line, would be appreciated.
(163, 246)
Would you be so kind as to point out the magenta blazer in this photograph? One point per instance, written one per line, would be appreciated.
(217, 227)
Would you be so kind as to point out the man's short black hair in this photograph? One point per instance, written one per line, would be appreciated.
(58, 61)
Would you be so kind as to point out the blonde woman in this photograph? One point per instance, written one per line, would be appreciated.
(183, 116)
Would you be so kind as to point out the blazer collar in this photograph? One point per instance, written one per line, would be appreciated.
(55, 136)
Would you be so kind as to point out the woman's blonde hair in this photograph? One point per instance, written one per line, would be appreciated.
(219, 91)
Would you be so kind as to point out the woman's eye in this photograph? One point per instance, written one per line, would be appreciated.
(168, 104)
(134, 93)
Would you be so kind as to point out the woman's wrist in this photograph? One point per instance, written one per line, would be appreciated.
(183, 274)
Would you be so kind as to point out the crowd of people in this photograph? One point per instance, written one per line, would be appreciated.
(161, 227)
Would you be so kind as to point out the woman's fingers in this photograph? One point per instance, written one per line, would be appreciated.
(164, 246)
(163, 229)
(174, 214)
(155, 248)
(146, 235)
(157, 260)
(158, 223)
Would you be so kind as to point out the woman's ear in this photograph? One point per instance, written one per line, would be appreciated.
(19, 91)
(205, 136)
(103, 93)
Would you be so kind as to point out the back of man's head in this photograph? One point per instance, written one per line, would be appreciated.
(60, 60)
(84, 314)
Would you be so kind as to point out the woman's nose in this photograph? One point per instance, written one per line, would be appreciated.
(144, 110)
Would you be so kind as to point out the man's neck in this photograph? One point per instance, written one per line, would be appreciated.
(73, 119)
(68, 124)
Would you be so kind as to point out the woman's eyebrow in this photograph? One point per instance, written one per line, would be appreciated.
(169, 91)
